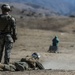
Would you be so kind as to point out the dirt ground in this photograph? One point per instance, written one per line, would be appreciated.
(36, 34)
(33, 40)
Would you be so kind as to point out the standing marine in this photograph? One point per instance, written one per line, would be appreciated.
(7, 33)
(54, 47)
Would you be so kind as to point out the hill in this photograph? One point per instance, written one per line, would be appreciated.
(35, 34)
(64, 7)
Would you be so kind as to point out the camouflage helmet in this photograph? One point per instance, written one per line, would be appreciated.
(5, 7)
(55, 36)
(36, 55)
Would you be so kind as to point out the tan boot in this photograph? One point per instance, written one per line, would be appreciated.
(1, 65)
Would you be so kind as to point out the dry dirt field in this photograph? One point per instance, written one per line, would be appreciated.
(38, 40)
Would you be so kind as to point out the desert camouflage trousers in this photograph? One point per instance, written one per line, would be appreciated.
(6, 43)
(22, 66)
(17, 66)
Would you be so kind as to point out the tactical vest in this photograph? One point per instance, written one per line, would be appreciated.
(5, 23)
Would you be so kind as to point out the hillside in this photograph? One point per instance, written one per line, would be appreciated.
(35, 33)
(26, 18)
(63, 7)
(53, 23)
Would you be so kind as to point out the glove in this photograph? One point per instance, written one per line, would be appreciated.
(14, 37)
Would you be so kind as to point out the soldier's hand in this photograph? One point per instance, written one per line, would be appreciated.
(14, 37)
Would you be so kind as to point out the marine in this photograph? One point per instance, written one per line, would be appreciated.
(27, 63)
(54, 47)
(8, 33)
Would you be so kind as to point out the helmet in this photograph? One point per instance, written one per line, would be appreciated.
(56, 37)
(36, 55)
(5, 7)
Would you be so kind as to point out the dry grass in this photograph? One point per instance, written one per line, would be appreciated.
(31, 38)
(63, 24)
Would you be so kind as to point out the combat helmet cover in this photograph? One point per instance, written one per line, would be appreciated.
(36, 55)
(6, 7)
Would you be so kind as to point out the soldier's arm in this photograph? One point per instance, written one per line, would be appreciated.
(31, 60)
(14, 30)
(28, 59)
(13, 25)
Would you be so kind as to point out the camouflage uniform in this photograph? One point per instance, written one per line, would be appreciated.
(55, 41)
(17, 66)
(32, 63)
(7, 27)
(54, 47)
(27, 63)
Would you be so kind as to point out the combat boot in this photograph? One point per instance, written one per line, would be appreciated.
(6, 61)
(0, 60)
(0, 57)
(1, 65)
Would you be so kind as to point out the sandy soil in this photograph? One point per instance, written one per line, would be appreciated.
(33, 40)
